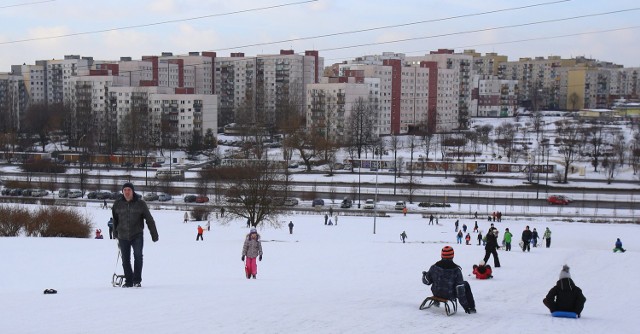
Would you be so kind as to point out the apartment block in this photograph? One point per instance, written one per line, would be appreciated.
(493, 97)
(257, 87)
(13, 101)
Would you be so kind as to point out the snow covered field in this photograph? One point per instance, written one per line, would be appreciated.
(321, 279)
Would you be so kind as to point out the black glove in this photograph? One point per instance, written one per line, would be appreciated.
(242, 257)
(424, 273)
(260, 258)
(154, 239)
(115, 235)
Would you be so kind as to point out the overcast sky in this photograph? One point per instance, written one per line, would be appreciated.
(196, 25)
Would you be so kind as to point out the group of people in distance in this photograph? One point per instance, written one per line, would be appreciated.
(447, 282)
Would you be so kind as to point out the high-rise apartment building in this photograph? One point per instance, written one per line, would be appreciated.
(253, 89)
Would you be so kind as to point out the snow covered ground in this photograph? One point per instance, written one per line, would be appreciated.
(321, 279)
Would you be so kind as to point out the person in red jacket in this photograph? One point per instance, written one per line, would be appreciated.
(482, 271)
(200, 231)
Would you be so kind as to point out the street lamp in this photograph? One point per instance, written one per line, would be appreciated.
(375, 200)
(359, 168)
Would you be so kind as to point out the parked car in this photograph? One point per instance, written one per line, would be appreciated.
(400, 205)
(27, 192)
(369, 204)
(317, 202)
(63, 193)
(150, 197)
(6, 191)
(39, 193)
(162, 197)
(103, 195)
(202, 199)
(156, 164)
(190, 199)
(16, 192)
(92, 195)
(74, 194)
(127, 164)
(559, 200)
(346, 203)
(290, 202)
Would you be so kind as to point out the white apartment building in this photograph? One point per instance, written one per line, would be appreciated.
(256, 86)
(13, 100)
(330, 104)
(462, 65)
(34, 80)
(171, 117)
(492, 97)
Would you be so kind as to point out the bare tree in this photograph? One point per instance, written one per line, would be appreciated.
(594, 138)
(360, 125)
(635, 152)
(483, 134)
(309, 143)
(253, 189)
(568, 141)
(505, 137)
(620, 149)
(574, 101)
(40, 120)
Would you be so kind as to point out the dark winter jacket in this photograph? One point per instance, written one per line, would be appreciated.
(565, 296)
(526, 236)
(129, 218)
(534, 235)
(443, 277)
(492, 241)
(618, 244)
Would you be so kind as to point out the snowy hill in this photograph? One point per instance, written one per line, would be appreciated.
(320, 279)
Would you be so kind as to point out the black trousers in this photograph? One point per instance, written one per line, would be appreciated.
(494, 252)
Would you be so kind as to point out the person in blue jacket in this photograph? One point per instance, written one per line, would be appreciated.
(618, 247)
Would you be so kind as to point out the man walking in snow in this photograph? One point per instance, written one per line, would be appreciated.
(526, 239)
(129, 215)
(491, 248)
(290, 227)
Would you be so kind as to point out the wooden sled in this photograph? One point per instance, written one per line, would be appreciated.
(450, 305)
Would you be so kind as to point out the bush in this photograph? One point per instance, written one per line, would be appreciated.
(12, 220)
(45, 222)
(200, 213)
(60, 222)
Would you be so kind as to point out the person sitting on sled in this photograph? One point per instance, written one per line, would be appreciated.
(445, 278)
(482, 270)
(565, 295)
(618, 247)
(99, 234)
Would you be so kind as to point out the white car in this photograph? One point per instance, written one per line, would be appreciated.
(369, 204)
(400, 205)
(74, 194)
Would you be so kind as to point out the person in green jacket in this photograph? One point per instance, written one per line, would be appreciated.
(507, 239)
(547, 237)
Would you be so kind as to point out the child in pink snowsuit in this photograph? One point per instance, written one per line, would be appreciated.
(252, 249)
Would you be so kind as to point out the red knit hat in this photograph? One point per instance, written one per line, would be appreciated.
(447, 253)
